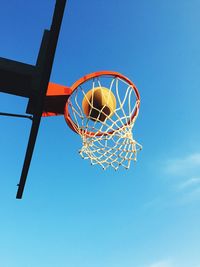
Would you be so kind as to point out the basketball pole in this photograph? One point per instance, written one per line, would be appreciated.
(44, 67)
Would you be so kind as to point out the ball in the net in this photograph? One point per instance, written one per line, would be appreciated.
(99, 104)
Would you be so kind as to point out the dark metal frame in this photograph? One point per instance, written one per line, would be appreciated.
(32, 82)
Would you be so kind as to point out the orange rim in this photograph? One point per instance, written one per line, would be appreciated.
(90, 76)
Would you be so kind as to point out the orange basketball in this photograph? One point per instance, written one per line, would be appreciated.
(99, 103)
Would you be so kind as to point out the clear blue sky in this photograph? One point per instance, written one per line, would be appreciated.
(76, 215)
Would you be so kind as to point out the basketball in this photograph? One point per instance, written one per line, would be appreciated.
(99, 104)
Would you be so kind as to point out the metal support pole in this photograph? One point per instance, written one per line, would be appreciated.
(45, 70)
(16, 115)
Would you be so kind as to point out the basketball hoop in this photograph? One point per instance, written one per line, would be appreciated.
(102, 109)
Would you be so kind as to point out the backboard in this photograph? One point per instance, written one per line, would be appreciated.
(32, 82)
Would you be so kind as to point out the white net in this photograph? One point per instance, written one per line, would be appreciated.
(108, 142)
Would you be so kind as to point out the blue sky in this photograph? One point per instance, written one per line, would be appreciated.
(76, 215)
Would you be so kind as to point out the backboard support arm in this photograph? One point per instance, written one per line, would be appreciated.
(44, 68)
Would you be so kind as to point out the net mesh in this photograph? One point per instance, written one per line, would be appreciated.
(108, 143)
